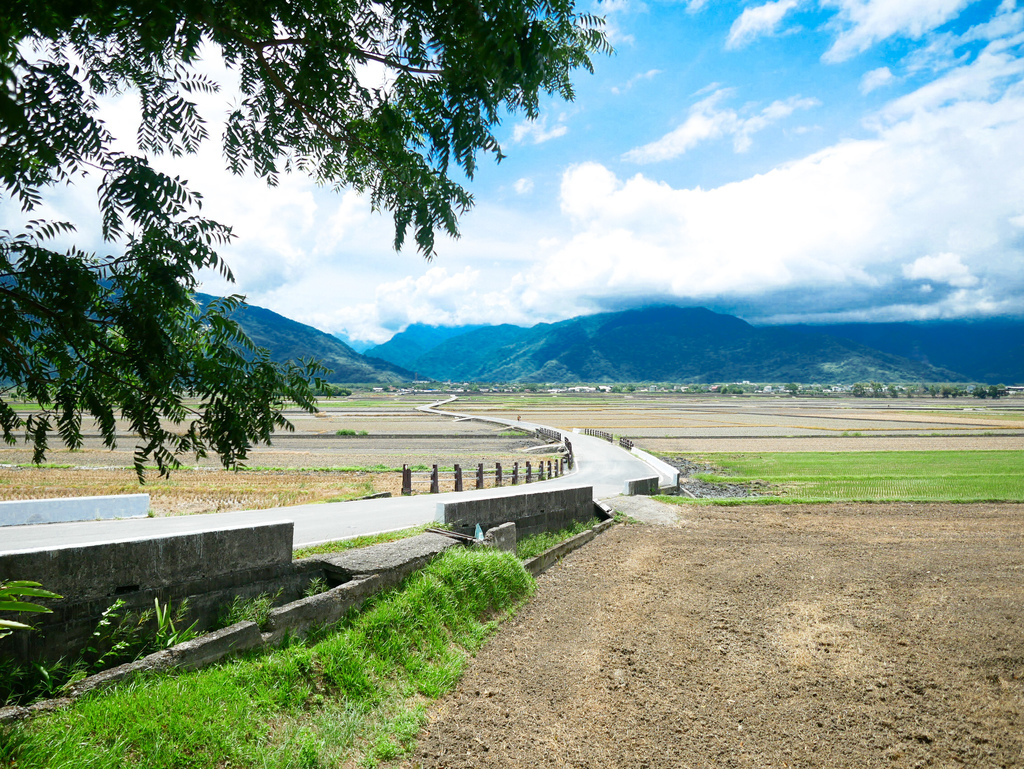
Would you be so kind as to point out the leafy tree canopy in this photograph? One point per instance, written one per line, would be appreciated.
(119, 333)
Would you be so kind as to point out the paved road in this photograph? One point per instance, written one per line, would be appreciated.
(601, 465)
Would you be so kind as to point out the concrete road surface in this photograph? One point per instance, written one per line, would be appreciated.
(599, 464)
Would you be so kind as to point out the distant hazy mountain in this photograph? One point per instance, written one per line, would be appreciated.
(357, 345)
(663, 344)
(290, 340)
(405, 348)
(989, 351)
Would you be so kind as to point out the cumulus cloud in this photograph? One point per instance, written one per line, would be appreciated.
(862, 23)
(537, 131)
(757, 22)
(523, 186)
(706, 121)
(875, 79)
(935, 195)
(941, 268)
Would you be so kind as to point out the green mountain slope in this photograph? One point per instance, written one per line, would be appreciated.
(664, 344)
(290, 340)
(986, 350)
(405, 348)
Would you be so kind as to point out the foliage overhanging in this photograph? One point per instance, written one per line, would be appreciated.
(120, 334)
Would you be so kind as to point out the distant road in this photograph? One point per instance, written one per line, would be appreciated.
(600, 464)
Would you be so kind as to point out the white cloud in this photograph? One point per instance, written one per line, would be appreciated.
(537, 131)
(875, 79)
(936, 195)
(649, 74)
(757, 22)
(862, 23)
(941, 268)
(523, 186)
(706, 121)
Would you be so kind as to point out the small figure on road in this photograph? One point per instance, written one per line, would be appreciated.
(519, 419)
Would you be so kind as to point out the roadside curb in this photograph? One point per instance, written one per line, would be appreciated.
(541, 563)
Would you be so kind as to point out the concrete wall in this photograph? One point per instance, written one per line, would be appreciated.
(210, 568)
(642, 486)
(16, 512)
(532, 513)
(668, 474)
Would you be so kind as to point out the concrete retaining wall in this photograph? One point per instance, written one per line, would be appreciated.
(642, 486)
(541, 563)
(16, 512)
(669, 475)
(532, 513)
(209, 568)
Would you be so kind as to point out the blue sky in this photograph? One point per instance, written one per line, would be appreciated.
(797, 160)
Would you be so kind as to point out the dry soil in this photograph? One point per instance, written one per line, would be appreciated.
(791, 636)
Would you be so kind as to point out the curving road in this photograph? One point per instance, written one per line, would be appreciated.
(599, 464)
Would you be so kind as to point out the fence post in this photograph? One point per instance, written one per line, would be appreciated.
(561, 466)
(515, 473)
(540, 470)
(406, 481)
(497, 473)
(549, 470)
(458, 477)
(529, 472)
(434, 489)
(480, 475)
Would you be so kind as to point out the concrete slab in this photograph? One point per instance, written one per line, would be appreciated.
(401, 557)
(645, 509)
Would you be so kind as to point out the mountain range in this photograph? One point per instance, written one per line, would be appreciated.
(661, 344)
(287, 339)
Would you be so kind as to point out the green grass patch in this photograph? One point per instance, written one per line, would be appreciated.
(351, 694)
(534, 545)
(341, 545)
(872, 476)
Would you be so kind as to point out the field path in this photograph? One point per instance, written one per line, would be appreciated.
(599, 464)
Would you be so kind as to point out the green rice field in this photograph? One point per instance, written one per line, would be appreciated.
(879, 476)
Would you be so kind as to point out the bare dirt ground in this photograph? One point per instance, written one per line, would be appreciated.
(789, 636)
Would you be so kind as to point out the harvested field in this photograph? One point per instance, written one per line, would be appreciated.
(397, 434)
(647, 417)
(198, 490)
(853, 635)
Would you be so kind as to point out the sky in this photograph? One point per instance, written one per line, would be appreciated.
(791, 161)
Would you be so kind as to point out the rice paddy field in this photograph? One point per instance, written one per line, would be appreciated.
(356, 446)
(888, 476)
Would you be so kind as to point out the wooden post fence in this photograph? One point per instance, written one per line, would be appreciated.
(497, 473)
(458, 477)
(434, 487)
(480, 475)
(406, 481)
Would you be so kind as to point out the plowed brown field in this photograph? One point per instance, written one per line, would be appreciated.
(790, 636)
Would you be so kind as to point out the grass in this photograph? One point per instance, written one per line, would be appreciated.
(340, 545)
(354, 695)
(876, 476)
(534, 545)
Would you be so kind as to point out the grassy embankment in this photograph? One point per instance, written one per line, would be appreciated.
(356, 692)
(870, 476)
